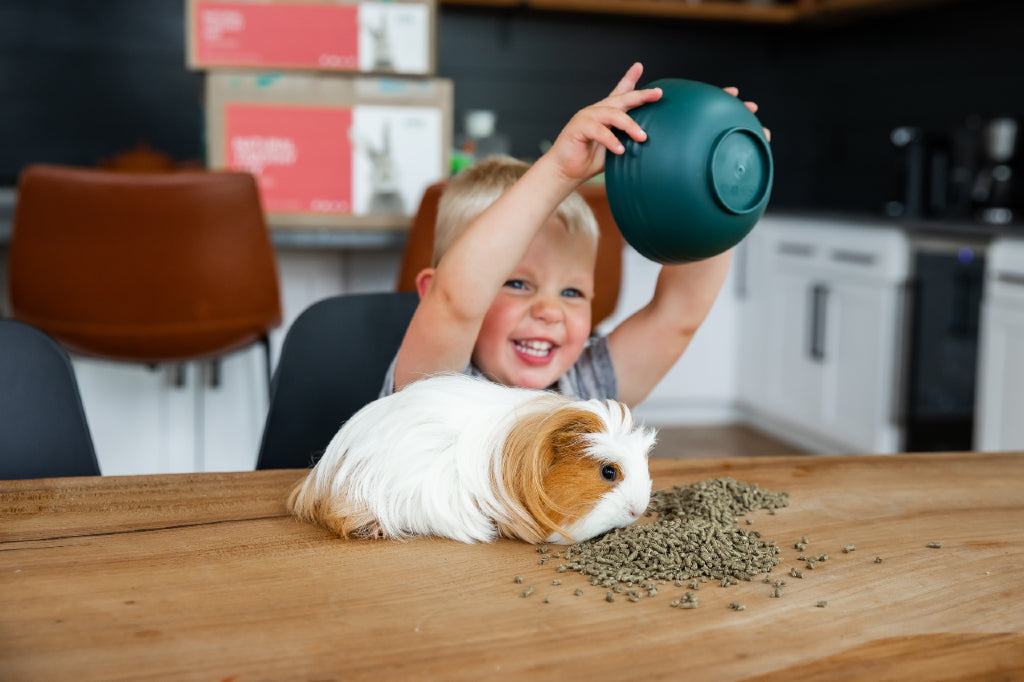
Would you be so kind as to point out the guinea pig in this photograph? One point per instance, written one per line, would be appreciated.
(467, 459)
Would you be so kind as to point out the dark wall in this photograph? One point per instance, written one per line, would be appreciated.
(82, 81)
(829, 94)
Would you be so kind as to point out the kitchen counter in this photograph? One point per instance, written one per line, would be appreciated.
(293, 238)
(915, 227)
(284, 238)
(205, 576)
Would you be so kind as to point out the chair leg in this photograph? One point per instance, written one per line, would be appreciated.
(265, 340)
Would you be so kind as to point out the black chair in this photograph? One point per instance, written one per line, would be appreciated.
(332, 363)
(43, 430)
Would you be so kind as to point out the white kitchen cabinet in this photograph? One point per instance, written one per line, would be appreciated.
(147, 421)
(821, 333)
(999, 414)
(174, 419)
(701, 387)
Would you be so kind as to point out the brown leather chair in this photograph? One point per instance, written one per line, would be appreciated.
(608, 272)
(151, 267)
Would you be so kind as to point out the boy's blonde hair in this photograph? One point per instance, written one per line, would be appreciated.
(476, 188)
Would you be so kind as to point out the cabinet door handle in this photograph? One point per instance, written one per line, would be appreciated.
(1010, 278)
(819, 302)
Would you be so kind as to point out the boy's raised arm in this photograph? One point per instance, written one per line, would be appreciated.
(457, 294)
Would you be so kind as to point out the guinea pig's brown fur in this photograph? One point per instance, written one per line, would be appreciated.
(545, 470)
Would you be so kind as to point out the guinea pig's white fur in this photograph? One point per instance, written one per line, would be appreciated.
(468, 459)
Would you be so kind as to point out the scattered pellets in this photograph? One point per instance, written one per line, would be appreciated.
(609, 596)
(518, 579)
(547, 600)
(878, 559)
(689, 605)
(736, 606)
(527, 592)
(800, 545)
(934, 545)
(776, 593)
(810, 564)
(822, 604)
(562, 568)
(694, 537)
(803, 539)
(795, 573)
(694, 584)
(634, 597)
(578, 592)
(556, 582)
(849, 548)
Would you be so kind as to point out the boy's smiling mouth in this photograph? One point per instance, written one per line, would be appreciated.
(534, 348)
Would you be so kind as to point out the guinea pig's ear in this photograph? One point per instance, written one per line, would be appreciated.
(546, 470)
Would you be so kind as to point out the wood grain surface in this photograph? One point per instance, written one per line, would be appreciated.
(205, 577)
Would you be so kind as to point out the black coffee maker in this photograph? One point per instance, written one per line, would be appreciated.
(974, 172)
(921, 174)
(996, 191)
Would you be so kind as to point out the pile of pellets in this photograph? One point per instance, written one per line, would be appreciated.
(695, 536)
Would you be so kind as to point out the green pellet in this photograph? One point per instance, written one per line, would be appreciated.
(878, 559)
(736, 606)
(849, 548)
(578, 592)
(527, 592)
(556, 582)
(689, 605)
(547, 600)
(609, 596)
(822, 604)
(518, 579)
(934, 545)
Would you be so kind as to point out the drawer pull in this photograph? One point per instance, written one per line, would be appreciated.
(794, 249)
(853, 257)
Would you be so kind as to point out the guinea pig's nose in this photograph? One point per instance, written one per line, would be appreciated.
(636, 512)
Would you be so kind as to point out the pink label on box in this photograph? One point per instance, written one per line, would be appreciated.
(301, 156)
(323, 35)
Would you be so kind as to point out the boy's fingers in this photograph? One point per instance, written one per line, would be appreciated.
(612, 117)
(735, 92)
(752, 106)
(629, 81)
(634, 98)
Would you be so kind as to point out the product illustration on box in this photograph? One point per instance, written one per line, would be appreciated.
(382, 37)
(386, 177)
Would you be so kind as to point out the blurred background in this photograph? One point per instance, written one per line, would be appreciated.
(855, 316)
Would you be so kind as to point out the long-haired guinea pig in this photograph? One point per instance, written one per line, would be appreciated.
(470, 460)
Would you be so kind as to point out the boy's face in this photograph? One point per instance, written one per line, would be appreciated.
(538, 324)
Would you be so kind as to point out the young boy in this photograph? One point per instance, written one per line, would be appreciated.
(509, 293)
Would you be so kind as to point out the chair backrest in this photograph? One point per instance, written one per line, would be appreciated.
(148, 267)
(43, 429)
(332, 363)
(419, 247)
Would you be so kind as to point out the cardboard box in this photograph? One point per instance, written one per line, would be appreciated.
(331, 151)
(394, 37)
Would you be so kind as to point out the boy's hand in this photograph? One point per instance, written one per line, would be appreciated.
(735, 92)
(579, 150)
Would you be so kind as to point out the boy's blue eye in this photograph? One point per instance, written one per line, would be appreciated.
(572, 293)
(516, 284)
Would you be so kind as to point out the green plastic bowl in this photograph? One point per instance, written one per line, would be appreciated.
(701, 180)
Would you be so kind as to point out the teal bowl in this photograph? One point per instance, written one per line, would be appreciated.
(699, 182)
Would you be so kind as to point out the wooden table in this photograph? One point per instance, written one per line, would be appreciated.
(205, 577)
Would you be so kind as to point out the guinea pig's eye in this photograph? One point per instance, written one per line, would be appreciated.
(609, 472)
